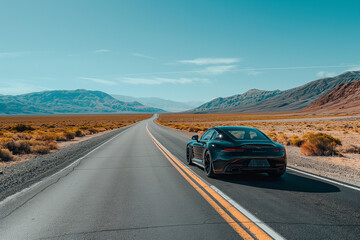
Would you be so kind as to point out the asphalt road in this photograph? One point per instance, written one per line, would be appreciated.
(130, 188)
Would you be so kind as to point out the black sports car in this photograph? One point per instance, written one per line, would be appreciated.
(234, 150)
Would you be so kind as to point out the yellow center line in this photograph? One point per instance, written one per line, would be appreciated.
(217, 208)
(251, 226)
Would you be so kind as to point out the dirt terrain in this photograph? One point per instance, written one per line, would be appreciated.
(22, 137)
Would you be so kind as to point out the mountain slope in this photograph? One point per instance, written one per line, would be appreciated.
(250, 97)
(344, 99)
(64, 102)
(167, 105)
(290, 100)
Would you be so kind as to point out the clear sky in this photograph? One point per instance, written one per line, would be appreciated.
(179, 50)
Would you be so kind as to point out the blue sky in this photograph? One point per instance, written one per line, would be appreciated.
(179, 50)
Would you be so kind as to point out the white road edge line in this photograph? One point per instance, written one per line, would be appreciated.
(28, 189)
(249, 215)
(323, 178)
(254, 219)
(308, 174)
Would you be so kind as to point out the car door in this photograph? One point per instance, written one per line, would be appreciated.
(200, 146)
(204, 141)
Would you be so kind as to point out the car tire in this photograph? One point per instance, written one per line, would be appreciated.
(276, 174)
(208, 165)
(189, 155)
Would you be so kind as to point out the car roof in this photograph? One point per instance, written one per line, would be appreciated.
(231, 127)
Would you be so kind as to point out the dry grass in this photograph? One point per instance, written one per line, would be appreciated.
(40, 134)
(319, 144)
(6, 155)
(352, 149)
(286, 132)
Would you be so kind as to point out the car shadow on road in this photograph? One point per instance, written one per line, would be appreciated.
(288, 182)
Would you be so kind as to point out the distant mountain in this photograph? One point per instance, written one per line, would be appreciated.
(167, 105)
(281, 101)
(66, 102)
(250, 97)
(344, 99)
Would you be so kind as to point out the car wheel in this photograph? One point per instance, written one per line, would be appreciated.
(276, 174)
(189, 155)
(208, 166)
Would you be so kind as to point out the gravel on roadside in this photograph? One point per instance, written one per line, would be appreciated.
(320, 166)
(18, 176)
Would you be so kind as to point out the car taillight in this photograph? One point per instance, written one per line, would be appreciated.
(233, 150)
(278, 149)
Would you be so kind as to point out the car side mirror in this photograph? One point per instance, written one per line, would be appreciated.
(195, 137)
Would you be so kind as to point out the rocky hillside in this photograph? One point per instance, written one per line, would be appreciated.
(241, 100)
(67, 102)
(344, 99)
(290, 100)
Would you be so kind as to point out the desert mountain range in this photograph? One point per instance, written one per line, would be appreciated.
(343, 99)
(67, 102)
(294, 99)
(167, 105)
(332, 95)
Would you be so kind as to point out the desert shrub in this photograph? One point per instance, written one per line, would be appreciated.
(6, 155)
(100, 129)
(296, 141)
(79, 133)
(86, 132)
(272, 135)
(44, 136)
(69, 135)
(179, 126)
(283, 139)
(92, 130)
(352, 149)
(53, 145)
(40, 149)
(22, 127)
(65, 136)
(18, 147)
(60, 137)
(22, 136)
(192, 128)
(203, 129)
(319, 144)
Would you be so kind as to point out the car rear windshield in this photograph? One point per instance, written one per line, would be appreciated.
(246, 134)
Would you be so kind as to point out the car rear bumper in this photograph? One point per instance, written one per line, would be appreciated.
(240, 165)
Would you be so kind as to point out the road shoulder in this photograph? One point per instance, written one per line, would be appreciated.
(22, 175)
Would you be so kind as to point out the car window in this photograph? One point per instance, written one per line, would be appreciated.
(246, 134)
(215, 135)
(207, 135)
(238, 134)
